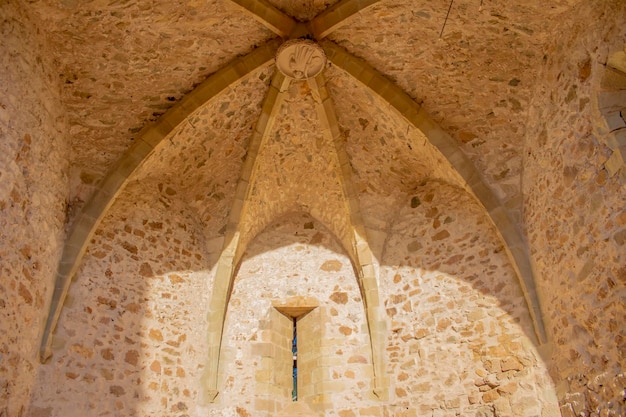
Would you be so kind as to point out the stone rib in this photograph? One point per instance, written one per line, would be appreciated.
(414, 114)
(117, 178)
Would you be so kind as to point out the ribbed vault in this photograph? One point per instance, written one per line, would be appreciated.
(297, 158)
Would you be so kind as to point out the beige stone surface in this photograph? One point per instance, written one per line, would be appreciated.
(476, 80)
(300, 161)
(130, 342)
(387, 153)
(303, 11)
(108, 70)
(296, 256)
(204, 156)
(342, 200)
(34, 147)
(572, 202)
(461, 338)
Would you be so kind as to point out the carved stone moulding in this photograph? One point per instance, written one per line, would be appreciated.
(300, 59)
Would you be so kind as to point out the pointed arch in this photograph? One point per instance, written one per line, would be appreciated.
(116, 179)
(366, 273)
(415, 115)
(360, 253)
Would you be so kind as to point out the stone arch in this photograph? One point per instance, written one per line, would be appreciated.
(118, 176)
(108, 322)
(452, 295)
(399, 101)
(363, 264)
(319, 27)
(336, 16)
(328, 241)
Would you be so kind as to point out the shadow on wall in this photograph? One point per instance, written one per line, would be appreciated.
(130, 340)
(295, 259)
(132, 337)
(454, 300)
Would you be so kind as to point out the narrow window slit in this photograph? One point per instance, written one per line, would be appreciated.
(294, 352)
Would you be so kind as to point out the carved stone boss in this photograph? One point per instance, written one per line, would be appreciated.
(300, 59)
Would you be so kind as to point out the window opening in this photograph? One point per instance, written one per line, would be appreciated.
(295, 310)
(294, 353)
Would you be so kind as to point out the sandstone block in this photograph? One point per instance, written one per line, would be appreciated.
(491, 396)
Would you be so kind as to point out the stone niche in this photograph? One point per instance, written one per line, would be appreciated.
(295, 272)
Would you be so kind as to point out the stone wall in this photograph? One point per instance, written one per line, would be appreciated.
(33, 193)
(131, 338)
(296, 257)
(574, 212)
(461, 340)
(133, 58)
(474, 79)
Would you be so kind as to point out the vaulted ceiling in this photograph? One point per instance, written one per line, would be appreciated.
(123, 63)
(183, 98)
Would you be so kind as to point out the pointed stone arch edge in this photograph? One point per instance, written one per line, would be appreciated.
(117, 177)
(362, 261)
(414, 114)
(361, 252)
